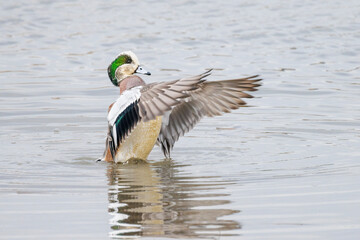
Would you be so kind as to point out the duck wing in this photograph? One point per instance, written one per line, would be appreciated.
(209, 99)
(145, 103)
(158, 98)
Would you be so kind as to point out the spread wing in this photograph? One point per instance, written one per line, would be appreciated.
(158, 98)
(145, 103)
(209, 99)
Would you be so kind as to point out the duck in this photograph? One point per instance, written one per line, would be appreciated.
(145, 115)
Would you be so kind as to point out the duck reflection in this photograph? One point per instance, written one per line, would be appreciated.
(160, 200)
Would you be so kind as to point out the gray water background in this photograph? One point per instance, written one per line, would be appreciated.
(285, 168)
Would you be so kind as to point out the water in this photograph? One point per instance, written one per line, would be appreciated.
(285, 168)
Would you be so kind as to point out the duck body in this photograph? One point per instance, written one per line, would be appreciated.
(122, 117)
(159, 113)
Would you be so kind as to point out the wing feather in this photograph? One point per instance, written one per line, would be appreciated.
(158, 98)
(208, 99)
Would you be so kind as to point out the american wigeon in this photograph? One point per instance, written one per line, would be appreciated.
(146, 114)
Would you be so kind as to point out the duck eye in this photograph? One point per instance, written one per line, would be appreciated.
(128, 60)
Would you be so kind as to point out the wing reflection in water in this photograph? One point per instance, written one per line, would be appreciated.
(156, 200)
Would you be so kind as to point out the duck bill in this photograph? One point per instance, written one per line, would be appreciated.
(141, 70)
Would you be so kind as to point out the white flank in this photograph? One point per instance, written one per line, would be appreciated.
(125, 99)
(114, 133)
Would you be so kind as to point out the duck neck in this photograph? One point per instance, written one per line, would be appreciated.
(130, 82)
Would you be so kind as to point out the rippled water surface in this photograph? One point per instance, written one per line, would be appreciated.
(287, 167)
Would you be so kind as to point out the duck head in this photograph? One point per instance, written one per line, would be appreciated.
(126, 64)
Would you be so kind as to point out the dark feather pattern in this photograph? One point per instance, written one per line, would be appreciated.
(125, 122)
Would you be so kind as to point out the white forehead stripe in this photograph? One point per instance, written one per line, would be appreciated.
(132, 55)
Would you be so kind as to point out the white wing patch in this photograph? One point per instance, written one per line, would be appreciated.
(125, 99)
